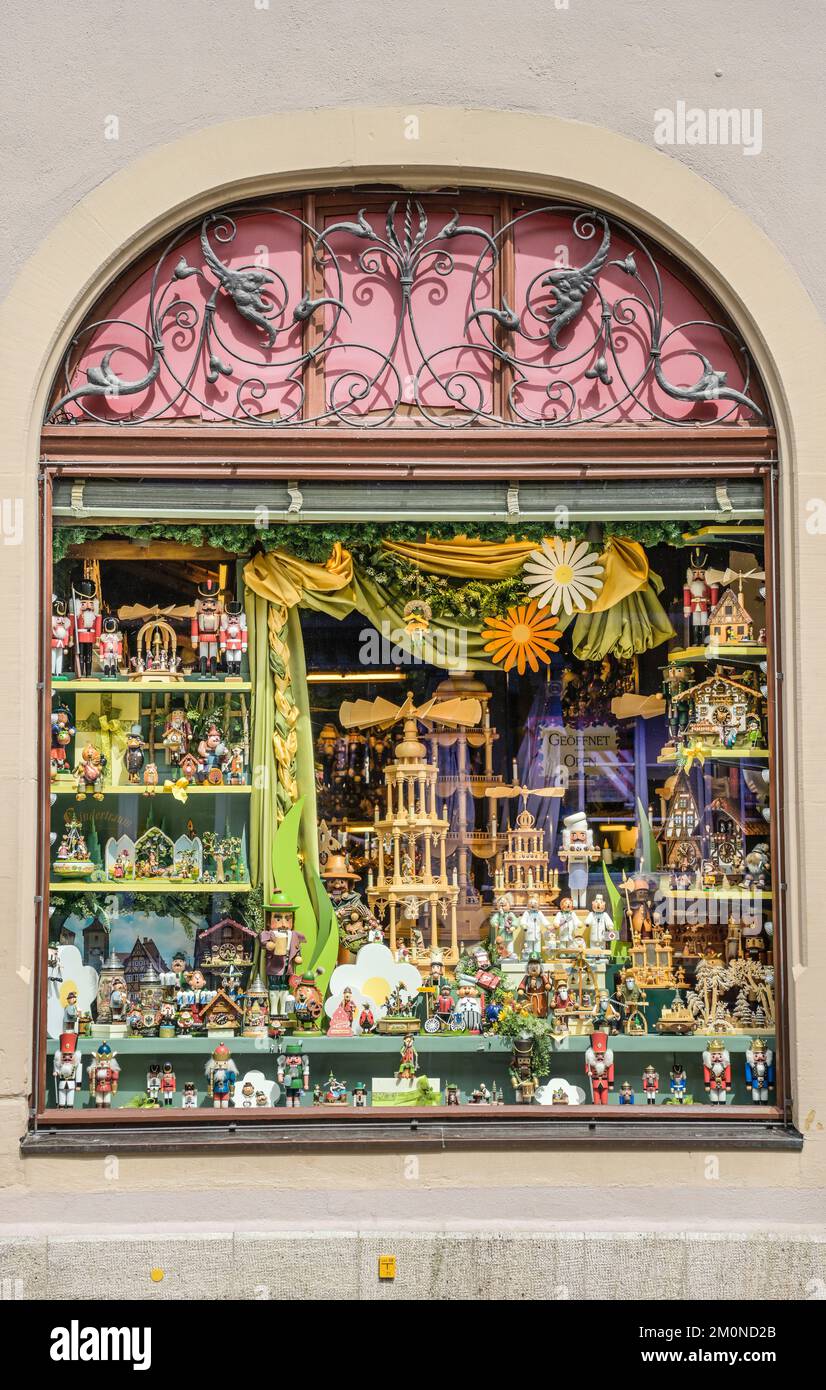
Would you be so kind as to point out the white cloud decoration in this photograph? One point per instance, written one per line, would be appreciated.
(74, 975)
(372, 979)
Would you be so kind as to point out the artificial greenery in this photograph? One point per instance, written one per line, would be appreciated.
(514, 1021)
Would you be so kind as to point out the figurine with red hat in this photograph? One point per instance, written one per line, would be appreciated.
(67, 1071)
(599, 1068)
(110, 648)
(221, 1074)
(206, 626)
(62, 634)
(233, 637)
(87, 624)
(103, 1073)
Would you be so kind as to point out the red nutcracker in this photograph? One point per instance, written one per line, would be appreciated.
(599, 1068)
(110, 647)
(699, 597)
(62, 634)
(87, 624)
(104, 1074)
(206, 626)
(650, 1084)
(168, 1084)
(717, 1072)
(233, 636)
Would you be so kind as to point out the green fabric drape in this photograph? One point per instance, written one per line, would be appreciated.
(635, 624)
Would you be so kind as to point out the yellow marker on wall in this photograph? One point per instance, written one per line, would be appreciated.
(387, 1266)
(156, 1275)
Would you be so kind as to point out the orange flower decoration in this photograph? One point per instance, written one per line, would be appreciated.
(523, 637)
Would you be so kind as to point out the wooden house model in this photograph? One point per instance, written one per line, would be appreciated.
(720, 708)
(680, 837)
(222, 1017)
(730, 622)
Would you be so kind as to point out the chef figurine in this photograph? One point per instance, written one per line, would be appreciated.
(63, 731)
(153, 1082)
(134, 759)
(599, 1068)
(221, 1073)
(206, 627)
(293, 1073)
(110, 647)
(577, 851)
(67, 1071)
(103, 1073)
(566, 925)
(87, 624)
(699, 597)
(650, 1084)
(177, 733)
(759, 1071)
(717, 1072)
(233, 639)
(62, 635)
(600, 924)
(532, 921)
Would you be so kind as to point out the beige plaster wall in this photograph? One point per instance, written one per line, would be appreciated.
(111, 224)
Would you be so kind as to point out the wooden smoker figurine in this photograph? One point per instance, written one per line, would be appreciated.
(599, 1068)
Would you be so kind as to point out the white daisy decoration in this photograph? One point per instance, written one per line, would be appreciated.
(563, 574)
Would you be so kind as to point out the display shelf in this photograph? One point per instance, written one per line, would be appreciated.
(136, 687)
(750, 655)
(136, 789)
(725, 755)
(734, 894)
(103, 886)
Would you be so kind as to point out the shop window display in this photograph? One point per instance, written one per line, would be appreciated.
(472, 815)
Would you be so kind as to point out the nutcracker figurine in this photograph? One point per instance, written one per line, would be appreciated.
(599, 1068)
(110, 647)
(87, 624)
(717, 1072)
(626, 1095)
(293, 1073)
(103, 1074)
(677, 1084)
(359, 1095)
(522, 1075)
(650, 1084)
(189, 1099)
(63, 731)
(233, 640)
(759, 1071)
(699, 597)
(577, 851)
(62, 635)
(153, 1082)
(206, 627)
(221, 1072)
(67, 1071)
(408, 1060)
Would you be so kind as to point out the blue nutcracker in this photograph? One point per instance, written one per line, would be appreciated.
(759, 1071)
(677, 1084)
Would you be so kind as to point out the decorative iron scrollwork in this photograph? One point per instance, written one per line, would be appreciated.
(586, 345)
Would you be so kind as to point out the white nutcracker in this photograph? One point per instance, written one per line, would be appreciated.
(577, 852)
(110, 647)
(67, 1071)
(62, 634)
(233, 636)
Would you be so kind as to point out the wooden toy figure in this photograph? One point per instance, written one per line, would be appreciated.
(233, 637)
(89, 773)
(87, 624)
(699, 597)
(103, 1073)
(63, 731)
(153, 1082)
(67, 1071)
(221, 1072)
(293, 1073)
(533, 921)
(278, 947)
(626, 1095)
(535, 986)
(599, 1068)
(177, 734)
(600, 924)
(566, 925)
(650, 1084)
(504, 923)
(717, 1072)
(522, 1075)
(189, 1099)
(110, 647)
(759, 1071)
(70, 1013)
(206, 627)
(408, 1060)
(359, 1095)
(62, 635)
(134, 759)
(578, 850)
(677, 1084)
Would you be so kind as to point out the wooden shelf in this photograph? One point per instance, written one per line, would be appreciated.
(724, 755)
(104, 886)
(684, 655)
(442, 1043)
(99, 686)
(133, 789)
(734, 892)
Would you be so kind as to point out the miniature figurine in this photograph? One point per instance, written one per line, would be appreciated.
(103, 1073)
(213, 756)
(626, 1095)
(118, 1000)
(233, 640)
(606, 1015)
(67, 1071)
(469, 1008)
(341, 1021)
(189, 1099)
(566, 926)
(247, 1101)
(359, 1095)
(677, 1084)
(757, 866)
(293, 1073)
(89, 773)
(577, 851)
(633, 1001)
(62, 635)
(279, 945)
(522, 1075)
(599, 1068)
(504, 922)
(72, 858)
(533, 921)
(600, 924)
(206, 627)
(367, 1019)
(177, 733)
(535, 986)
(110, 647)
(699, 597)
(356, 923)
(717, 1072)
(153, 1082)
(134, 759)
(70, 1013)
(444, 1005)
(650, 1084)
(86, 624)
(221, 1073)
(759, 1071)
(408, 1060)
(63, 731)
(452, 1096)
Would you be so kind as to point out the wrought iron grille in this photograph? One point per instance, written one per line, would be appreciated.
(561, 355)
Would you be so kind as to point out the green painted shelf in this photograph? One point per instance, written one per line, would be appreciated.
(103, 886)
(140, 790)
(98, 687)
(621, 1043)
